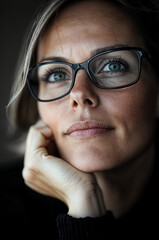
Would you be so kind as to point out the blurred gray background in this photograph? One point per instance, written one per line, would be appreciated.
(15, 17)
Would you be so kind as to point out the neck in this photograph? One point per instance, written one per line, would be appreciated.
(122, 187)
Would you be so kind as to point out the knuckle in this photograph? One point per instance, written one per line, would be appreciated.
(29, 174)
(33, 129)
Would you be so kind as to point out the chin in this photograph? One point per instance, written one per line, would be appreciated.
(91, 161)
(92, 155)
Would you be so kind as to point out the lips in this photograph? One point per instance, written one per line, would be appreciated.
(87, 129)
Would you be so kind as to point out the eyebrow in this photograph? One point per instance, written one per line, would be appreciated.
(92, 53)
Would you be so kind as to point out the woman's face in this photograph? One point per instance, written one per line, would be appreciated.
(117, 125)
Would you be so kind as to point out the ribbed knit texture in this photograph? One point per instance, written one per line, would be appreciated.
(84, 228)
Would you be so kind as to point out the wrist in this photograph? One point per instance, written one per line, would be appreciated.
(87, 203)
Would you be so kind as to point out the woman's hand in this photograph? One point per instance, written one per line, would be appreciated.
(54, 177)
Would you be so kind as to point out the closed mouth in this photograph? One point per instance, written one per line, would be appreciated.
(87, 129)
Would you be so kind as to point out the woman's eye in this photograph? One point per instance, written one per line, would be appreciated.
(113, 67)
(56, 77)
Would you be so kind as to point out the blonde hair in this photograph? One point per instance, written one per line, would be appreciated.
(22, 108)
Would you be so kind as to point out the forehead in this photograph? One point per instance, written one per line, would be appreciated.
(86, 25)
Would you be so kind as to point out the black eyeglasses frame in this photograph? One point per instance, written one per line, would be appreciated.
(85, 65)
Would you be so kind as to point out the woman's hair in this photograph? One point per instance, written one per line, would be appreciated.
(22, 108)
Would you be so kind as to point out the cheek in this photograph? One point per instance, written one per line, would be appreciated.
(134, 112)
(50, 114)
(135, 104)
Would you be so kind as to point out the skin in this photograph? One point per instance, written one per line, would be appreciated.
(132, 134)
(117, 163)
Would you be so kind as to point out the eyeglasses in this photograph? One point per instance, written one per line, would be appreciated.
(112, 69)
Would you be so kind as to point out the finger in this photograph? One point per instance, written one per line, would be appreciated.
(34, 180)
(38, 137)
(40, 123)
(36, 144)
(39, 183)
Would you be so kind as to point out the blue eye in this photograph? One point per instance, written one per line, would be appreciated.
(56, 77)
(114, 66)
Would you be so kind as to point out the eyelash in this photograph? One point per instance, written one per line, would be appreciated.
(111, 60)
(51, 71)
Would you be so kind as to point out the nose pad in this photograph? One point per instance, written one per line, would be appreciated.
(83, 92)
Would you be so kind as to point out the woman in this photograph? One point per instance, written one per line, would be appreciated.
(92, 67)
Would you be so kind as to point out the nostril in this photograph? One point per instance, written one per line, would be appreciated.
(75, 104)
(89, 101)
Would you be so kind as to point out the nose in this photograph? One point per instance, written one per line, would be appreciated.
(84, 93)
